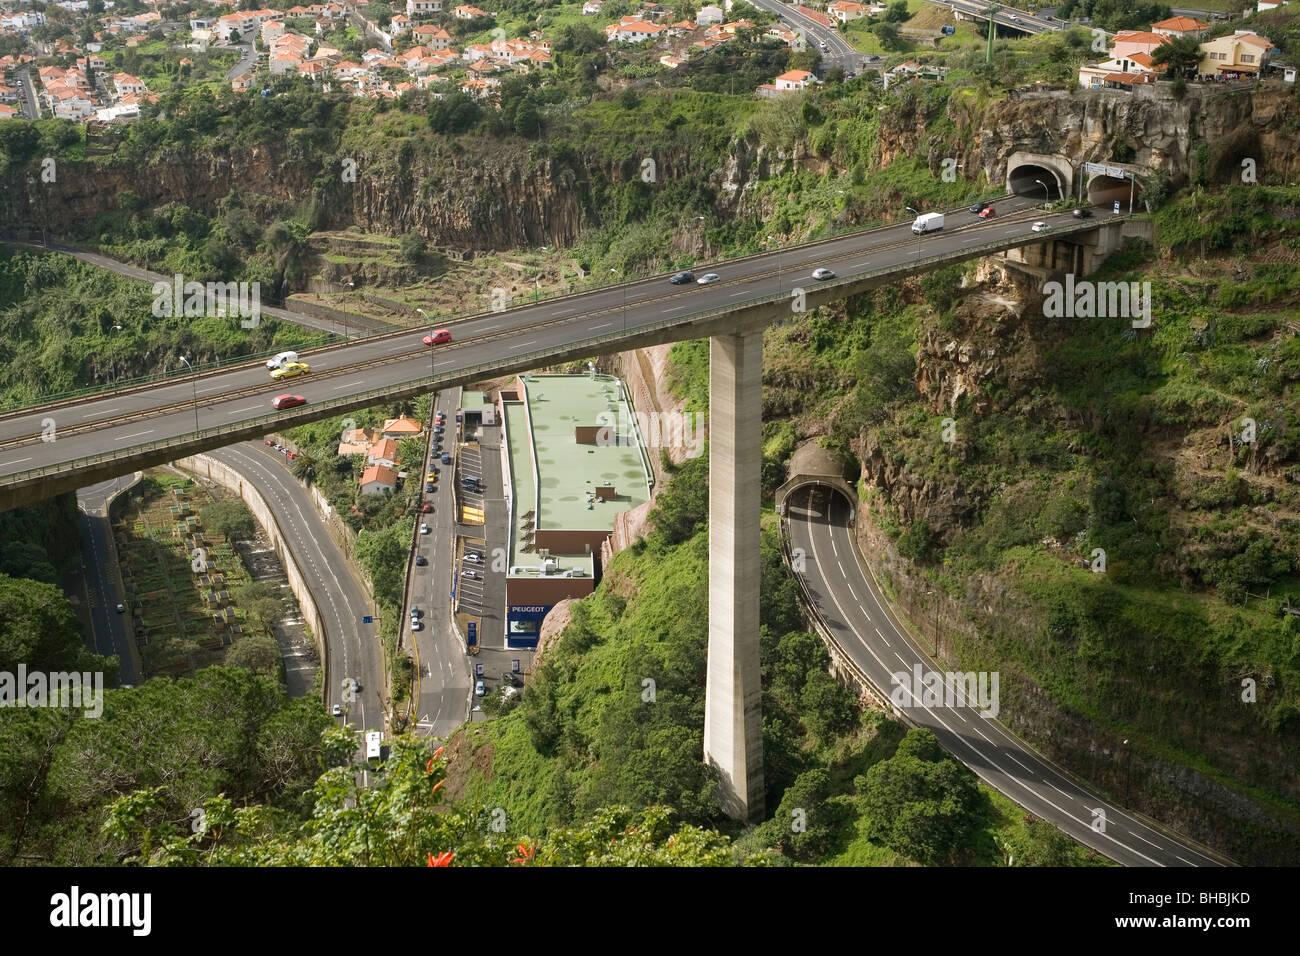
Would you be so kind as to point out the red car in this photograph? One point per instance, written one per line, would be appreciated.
(287, 401)
(441, 337)
(426, 508)
(986, 212)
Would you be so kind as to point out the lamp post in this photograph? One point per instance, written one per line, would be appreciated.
(778, 263)
(1047, 193)
(194, 384)
(116, 328)
(912, 211)
(351, 286)
(430, 321)
(624, 278)
(1128, 767)
(936, 622)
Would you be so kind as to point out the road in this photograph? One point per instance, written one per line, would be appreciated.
(1024, 21)
(31, 110)
(353, 647)
(109, 422)
(111, 633)
(849, 602)
(442, 704)
(246, 62)
(839, 52)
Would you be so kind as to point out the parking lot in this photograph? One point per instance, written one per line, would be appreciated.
(470, 571)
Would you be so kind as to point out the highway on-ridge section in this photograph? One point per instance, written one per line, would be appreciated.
(849, 602)
(107, 423)
(352, 646)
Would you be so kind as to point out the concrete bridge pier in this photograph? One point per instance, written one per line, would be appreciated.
(733, 728)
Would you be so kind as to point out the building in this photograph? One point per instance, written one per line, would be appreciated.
(846, 10)
(1128, 42)
(1245, 53)
(466, 12)
(1180, 27)
(632, 30)
(383, 453)
(378, 479)
(569, 470)
(423, 8)
(709, 14)
(401, 427)
(794, 80)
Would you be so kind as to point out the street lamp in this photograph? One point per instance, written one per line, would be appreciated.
(778, 263)
(194, 383)
(936, 622)
(1047, 194)
(624, 278)
(351, 286)
(116, 328)
(1128, 767)
(430, 321)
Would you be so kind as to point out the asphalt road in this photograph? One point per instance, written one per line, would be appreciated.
(352, 646)
(1026, 22)
(849, 601)
(30, 108)
(110, 632)
(444, 685)
(839, 52)
(113, 421)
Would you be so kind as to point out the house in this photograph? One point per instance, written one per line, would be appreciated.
(592, 7)
(7, 112)
(384, 452)
(1099, 76)
(466, 12)
(633, 31)
(241, 83)
(1128, 42)
(126, 83)
(1264, 5)
(480, 88)
(1245, 53)
(283, 63)
(709, 14)
(846, 10)
(794, 80)
(378, 479)
(316, 70)
(271, 31)
(357, 441)
(433, 37)
(1126, 81)
(199, 39)
(401, 427)
(423, 8)
(399, 24)
(67, 103)
(1180, 27)
(670, 61)
(786, 36)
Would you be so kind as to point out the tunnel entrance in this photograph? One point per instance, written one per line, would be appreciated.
(1107, 190)
(814, 467)
(1035, 181)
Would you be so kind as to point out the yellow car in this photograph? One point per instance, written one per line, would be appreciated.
(431, 476)
(290, 369)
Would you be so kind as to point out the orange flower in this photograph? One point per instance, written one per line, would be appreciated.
(525, 853)
(428, 767)
(442, 859)
(437, 785)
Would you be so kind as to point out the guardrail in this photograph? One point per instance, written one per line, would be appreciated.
(592, 345)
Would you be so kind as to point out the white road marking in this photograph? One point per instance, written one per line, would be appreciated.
(136, 435)
(603, 325)
(103, 411)
(346, 385)
(17, 461)
(676, 308)
(522, 345)
(210, 388)
(734, 294)
(246, 408)
(564, 312)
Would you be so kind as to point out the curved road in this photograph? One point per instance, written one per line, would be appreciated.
(850, 603)
(353, 647)
(110, 632)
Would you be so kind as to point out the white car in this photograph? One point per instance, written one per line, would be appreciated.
(823, 274)
(471, 573)
(416, 625)
(336, 710)
(424, 528)
(473, 558)
(1040, 227)
(707, 278)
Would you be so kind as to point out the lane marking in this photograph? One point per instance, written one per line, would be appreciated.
(676, 308)
(564, 312)
(17, 461)
(246, 408)
(346, 385)
(136, 435)
(603, 325)
(104, 411)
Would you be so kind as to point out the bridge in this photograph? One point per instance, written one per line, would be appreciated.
(77, 440)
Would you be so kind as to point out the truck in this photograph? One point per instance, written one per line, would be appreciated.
(373, 741)
(927, 222)
(281, 360)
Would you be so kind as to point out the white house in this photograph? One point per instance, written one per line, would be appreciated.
(794, 80)
(378, 479)
(423, 8)
(633, 31)
(709, 14)
(592, 7)
(846, 10)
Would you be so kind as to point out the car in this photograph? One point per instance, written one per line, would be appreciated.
(431, 475)
(421, 560)
(1040, 227)
(473, 558)
(416, 613)
(291, 455)
(471, 573)
(438, 429)
(428, 487)
(1082, 213)
(121, 609)
(1014, 18)
(287, 401)
(416, 625)
(979, 207)
(682, 278)
(478, 688)
(336, 710)
(426, 509)
(290, 370)
(823, 274)
(441, 337)
(269, 443)
(986, 212)
(424, 528)
(446, 459)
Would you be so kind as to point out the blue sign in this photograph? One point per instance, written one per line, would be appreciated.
(514, 665)
(478, 668)
(367, 619)
(1117, 206)
(472, 639)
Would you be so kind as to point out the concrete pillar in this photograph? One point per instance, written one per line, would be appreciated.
(733, 729)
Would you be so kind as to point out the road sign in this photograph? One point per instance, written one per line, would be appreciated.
(1117, 207)
(1101, 169)
(478, 669)
(514, 666)
(367, 619)
(472, 638)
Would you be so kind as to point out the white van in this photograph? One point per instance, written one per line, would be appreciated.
(927, 222)
(281, 360)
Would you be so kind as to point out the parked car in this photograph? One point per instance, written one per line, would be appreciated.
(682, 278)
(1082, 213)
(287, 401)
(473, 558)
(708, 278)
(416, 613)
(471, 573)
(121, 609)
(424, 528)
(441, 337)
(416, 625)
(426, 508)
(290, 370)
(446, 459)
(478, 688)
(986, 212)
(1040, 227)
(823, 274)
(421, 560)
(428, 487)
(336, 710)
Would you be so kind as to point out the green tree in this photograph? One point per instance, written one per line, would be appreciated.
(256, 653)
(896, 12)
(412, 246)
(230, 518)
(890, 39)
(1182, 55)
